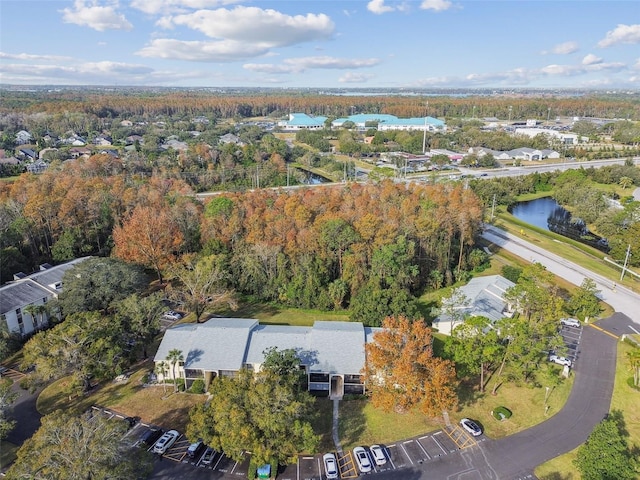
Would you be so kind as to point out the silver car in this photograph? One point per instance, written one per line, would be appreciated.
(330, 465)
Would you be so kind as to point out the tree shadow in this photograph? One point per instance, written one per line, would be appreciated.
(468, 393)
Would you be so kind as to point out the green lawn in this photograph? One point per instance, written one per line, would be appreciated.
(625, 399)
(277, 315)
(7, 453)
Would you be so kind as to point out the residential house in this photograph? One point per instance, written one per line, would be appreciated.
(332, 354)
(38, 166)
(23, 137)
(39, 288)
(562, 137)
(27, 154)
(485, 297)
(103, 140)
(231, 138)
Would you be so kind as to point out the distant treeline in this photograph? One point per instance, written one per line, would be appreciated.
(141, 103)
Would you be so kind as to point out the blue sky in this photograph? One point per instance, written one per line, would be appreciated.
(322, 44)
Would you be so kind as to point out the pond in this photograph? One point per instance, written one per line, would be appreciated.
(549, 215)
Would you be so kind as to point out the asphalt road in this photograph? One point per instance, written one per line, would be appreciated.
(621, 299)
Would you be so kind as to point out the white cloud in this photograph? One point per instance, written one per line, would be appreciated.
(238, 34)
(30, 57)
(575, 70)
(591, 59)
(636, 66)
(564, 48)
(221, 51)
(94, 16)
(351, 77)
(621, 34)
(298, 65)
(436, 5)
(255, 25)
(378, 7)
(154, 7)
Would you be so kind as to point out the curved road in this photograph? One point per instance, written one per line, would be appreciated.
(516, 456)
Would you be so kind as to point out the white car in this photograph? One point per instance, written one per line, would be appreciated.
(377, 452)
(570, 322)
(172, 315)
(560, 360)
(165, 441)
(330, 465)
(362, 459)
(470, 426)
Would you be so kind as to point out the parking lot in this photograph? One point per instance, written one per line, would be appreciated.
(571, 337)
(399, 455)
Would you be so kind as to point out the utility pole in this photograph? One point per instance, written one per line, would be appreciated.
(626, 260)
(287, 174)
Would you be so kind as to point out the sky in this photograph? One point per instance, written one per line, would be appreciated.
(345, 44)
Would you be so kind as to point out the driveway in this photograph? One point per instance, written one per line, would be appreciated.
(516, 456)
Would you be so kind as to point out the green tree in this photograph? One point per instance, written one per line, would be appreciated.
(38, 313)
(174, 357)
(284, 365)
(7, 397)
(201, 283)
(454, 307)
(97, 283)
(258, 412)
(625, 182)
(605, 455)
(372, 304)
(140, 317)
(84, 345)
(474, 346)
(584, 302)
(162, 368)
(79, 448)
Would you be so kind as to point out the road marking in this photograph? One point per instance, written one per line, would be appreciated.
(634, 329)
(603, 330)
(405, 452)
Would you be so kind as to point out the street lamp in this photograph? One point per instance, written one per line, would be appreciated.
(548, 114)
(510, 108)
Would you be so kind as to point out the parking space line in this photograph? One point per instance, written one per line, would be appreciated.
(389, 455)
(405, 451)
(218, 462)
(438, 443)
(422, 448)
(234, 466)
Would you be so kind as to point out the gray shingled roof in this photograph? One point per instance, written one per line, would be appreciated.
(486, 295)
(34, 287)
(218, 344)
(227, 344)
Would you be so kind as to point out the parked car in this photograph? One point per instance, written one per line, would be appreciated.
(560, 360)
(195, 449)
(470, 426)
(330, 465)
(166, 440)
(208, 456)
(362, 459)
(172, 315)
(151, 436)
(570, 322)
(377, 452)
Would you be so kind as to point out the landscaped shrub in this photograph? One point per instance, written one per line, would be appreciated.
(501, 413)
(197, 386)
(252, 471)
(180, 384)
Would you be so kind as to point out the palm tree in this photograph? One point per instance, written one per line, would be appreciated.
(634, 361)
(626, 182)
(161, 369)
(37, 311)
(175, 355)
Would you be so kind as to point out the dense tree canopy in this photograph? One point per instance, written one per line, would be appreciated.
(96, 283)
(402, 371)
(66, 447)
(85, 345)
(265, 413)
(606, 455)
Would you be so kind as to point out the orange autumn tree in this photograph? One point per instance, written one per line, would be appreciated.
(402, 373)
(149, 237)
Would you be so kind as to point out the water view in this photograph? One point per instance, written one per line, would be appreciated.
(549, 215)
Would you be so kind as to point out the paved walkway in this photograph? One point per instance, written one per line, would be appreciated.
(334, 426)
